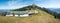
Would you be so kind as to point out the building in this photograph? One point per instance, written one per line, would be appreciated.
(21, 13)
(17, 13)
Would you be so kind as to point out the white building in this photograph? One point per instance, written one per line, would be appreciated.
(17, 13)
(20, 13)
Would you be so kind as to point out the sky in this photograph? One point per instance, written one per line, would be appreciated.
(14, 4)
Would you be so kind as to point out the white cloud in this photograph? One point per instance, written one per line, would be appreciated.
(15, 4)
(37, 0)
(11, 3)
(49, 5)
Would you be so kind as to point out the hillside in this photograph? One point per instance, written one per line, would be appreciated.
(41, 17)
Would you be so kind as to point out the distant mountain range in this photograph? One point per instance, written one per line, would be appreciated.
(55, 10)
(4, 10)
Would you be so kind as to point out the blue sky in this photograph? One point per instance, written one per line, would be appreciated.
(13, 4)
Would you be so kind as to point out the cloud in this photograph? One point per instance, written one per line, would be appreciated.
(13, 4)
(49, 5)
(37, 0)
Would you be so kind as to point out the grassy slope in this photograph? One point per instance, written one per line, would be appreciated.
(41, 17)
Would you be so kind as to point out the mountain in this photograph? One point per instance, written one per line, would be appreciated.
(4, 10)
(41, 17)
(55, 10)
(33, 6)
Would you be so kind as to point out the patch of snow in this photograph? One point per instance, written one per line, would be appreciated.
(9, 15)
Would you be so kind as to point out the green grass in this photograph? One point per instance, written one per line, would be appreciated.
(41, 17)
